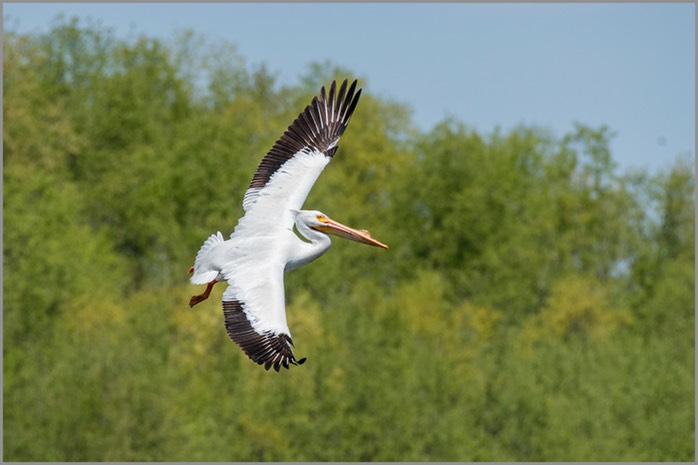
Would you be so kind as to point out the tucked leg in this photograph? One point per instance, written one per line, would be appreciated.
(201, 297)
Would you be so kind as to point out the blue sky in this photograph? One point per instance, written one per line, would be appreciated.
(629, 66)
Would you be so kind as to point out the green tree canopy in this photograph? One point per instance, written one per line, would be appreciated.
(536, 304)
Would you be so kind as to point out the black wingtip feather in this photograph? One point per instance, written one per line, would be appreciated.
(268, 349)
(319, 127)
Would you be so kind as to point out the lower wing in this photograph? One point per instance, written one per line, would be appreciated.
(255, 314)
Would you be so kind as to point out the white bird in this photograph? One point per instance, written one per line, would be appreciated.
(263, 245)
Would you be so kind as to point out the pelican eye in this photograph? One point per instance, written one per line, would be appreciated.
(322, 218)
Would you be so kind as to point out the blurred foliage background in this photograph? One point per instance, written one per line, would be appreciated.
(535, 303)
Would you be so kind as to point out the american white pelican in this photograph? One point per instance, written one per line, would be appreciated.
(264, 245)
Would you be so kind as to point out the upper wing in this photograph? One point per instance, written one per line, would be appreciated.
(255, 310)
(287, 173)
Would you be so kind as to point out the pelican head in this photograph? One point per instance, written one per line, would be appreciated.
(318, 221)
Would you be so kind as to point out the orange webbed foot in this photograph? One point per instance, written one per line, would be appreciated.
(201, 297)
(197, 299)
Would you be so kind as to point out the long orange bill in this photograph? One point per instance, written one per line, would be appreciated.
(357, 235)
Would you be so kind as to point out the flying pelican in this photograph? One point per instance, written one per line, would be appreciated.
(263, 245)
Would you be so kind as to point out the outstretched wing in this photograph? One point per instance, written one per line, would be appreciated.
(255, 313)
(253, 304)
(287, 173)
